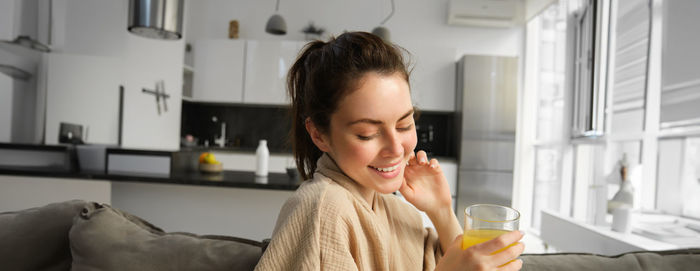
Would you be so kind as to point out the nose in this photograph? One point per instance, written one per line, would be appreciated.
(392, 145)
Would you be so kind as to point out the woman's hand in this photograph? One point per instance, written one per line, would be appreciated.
(425, 185)
(481, 257)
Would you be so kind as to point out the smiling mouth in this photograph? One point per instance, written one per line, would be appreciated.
(386, 169)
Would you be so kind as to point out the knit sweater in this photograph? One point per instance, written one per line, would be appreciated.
(327, 225)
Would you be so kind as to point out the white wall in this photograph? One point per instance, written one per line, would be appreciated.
(415, 23)
(19, 192)
(247, 213)
(99, 28)
(6, 94)
(23, 94)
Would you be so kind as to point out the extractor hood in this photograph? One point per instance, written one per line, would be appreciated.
(156, 19)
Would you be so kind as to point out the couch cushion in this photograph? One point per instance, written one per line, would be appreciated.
(683, 259)
(104, 238)
(37, 238)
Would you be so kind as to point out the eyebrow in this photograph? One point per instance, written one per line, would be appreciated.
(377, 122)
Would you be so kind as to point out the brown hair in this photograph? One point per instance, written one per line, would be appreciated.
(324, 73)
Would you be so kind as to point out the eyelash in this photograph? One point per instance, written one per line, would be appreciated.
(401, 129)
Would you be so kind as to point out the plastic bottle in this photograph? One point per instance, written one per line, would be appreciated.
(624, 196)
(262, 157)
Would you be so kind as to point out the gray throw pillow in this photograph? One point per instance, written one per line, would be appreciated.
(104, 238)
(37, 238)
(677, 260)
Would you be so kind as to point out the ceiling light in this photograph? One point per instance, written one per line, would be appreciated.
(276, 24)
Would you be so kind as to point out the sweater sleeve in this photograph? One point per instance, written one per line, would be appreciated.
(433, 250)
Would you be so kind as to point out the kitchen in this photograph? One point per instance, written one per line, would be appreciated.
(93, 56)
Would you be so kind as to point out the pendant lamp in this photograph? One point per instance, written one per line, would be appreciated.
(382, 31)
(276, 24)
(156, 19)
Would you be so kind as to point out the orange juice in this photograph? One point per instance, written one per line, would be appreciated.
(473, 237)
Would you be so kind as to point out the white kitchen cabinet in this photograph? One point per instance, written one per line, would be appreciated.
(219, 76)
(266, 67)
(433, 77)
(82, 90)
(147, 62)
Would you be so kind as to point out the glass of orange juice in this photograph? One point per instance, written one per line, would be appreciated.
(483, 222)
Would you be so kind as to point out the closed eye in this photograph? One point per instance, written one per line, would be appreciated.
(404, 129)
(365, 138)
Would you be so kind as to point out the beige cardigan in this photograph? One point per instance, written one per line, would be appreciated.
(327, 225)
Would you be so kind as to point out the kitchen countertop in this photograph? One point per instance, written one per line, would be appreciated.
(227, 178)
(28, 160)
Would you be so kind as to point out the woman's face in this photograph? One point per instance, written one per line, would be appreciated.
(372, 133)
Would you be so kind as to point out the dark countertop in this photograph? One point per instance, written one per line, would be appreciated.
(180, 174)
(227, 178)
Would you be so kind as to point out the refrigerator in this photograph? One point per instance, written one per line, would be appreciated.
(485, 121)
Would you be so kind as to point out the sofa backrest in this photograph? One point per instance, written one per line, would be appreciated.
(37, 238)
(104, 238)
(79, 235)
(676, 260)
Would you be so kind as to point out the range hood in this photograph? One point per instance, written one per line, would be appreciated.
(156, 19)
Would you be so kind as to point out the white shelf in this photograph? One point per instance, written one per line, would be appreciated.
(569, 235)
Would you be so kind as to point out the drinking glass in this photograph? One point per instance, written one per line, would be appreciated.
(484, 222)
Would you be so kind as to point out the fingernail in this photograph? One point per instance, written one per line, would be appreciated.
(521, 261)
(432, 166)
(423, 160)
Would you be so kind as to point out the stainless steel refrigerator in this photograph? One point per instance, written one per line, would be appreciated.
(486, 106)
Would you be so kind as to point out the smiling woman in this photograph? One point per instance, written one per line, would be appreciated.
(353, 136)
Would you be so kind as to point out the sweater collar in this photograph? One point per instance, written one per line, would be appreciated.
(326, 166)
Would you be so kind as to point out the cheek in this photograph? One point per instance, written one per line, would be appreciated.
(363, 153)
(410, 141)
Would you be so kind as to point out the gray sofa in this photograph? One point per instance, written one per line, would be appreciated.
(79, 235)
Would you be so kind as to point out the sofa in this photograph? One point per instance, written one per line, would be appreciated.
(80, 235)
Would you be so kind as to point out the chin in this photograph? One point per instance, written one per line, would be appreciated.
(391, 186)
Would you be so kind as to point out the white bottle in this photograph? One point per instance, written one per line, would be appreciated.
(262, 157)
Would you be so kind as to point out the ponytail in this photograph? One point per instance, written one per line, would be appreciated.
(305, 152)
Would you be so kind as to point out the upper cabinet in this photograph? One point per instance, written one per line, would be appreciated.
(255, 72)
(219, 76)
(433, 78)
(236, 71)
(266, 67)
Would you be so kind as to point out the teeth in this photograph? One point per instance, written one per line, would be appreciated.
(387, 169)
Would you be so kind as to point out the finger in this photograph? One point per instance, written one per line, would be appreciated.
(422, 157)
(512, 266)
(434, 164)
(458, 240)
(405, 190)
(503, 257)
(500, 242)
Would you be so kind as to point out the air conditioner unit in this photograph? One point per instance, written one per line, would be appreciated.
(489, 13)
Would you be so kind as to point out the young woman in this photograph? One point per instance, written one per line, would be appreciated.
(353, 137)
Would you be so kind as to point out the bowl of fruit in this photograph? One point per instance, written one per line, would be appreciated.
(209, 164)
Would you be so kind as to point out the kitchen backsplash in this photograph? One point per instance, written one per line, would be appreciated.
(246, 124)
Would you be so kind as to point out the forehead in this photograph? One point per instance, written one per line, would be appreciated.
(378, 97)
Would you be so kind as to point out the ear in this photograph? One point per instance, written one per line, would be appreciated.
(319, 139)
